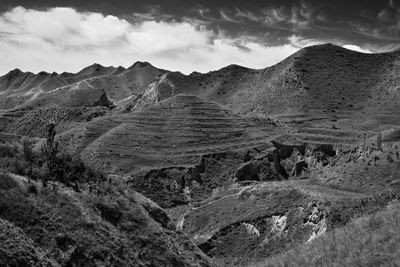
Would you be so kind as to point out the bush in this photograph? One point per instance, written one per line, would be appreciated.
(65, 168)
(70, 170)
(7, 182)
(8, 150)
(49, 165)
(32, 189)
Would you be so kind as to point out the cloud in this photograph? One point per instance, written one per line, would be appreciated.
(63, 39)
(227, 18)
(357, 48)
(301, 42)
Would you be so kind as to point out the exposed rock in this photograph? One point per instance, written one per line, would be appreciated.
(104, 102)
(274, 157)
(257, 170)
(251, 229)
(248, 171)
(327, 149)
(299, 167)
(285, 151)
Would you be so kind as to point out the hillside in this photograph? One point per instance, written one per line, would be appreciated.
(60, 227)
(25, 89)
(174, 132)
(248, 164)
(318, 88)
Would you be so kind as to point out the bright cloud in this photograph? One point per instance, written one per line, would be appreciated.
(63, 39)
(357, 48)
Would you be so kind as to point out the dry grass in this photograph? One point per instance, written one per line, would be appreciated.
(367, 241)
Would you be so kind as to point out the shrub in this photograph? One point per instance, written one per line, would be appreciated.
(65, 168)
(8, 150)
(28, 154)
(32, 189)
(70, 170)
(110, 212)
(7, 182)
(51, 164)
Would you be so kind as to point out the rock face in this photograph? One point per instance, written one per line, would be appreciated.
(108, 228)
(176, 132)
(285, 151)
(257, 170)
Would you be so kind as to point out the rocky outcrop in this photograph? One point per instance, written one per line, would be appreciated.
(257, 170)
(327, 149)
(104, 102)
(285, 151)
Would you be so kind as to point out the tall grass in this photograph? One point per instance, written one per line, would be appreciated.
(367, 241)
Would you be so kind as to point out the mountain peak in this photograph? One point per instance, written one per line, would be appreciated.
(96, 66)
(140, 64)
(15, 72)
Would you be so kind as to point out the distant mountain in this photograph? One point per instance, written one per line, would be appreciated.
(329, 90)
(321, 87)
(308, 80)
(85, 88)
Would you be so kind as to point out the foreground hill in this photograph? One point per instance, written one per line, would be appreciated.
(108, 225)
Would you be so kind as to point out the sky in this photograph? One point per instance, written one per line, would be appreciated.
(186, 35)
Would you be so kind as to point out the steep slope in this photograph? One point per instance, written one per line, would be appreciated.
(175, 132)
(111, 227)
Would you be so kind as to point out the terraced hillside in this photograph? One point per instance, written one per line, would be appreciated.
(324, 89)
(175, 132)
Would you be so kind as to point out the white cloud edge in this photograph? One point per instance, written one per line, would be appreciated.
(63, 39)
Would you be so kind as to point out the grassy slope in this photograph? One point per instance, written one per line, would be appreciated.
(368, 241)
(102, 224)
